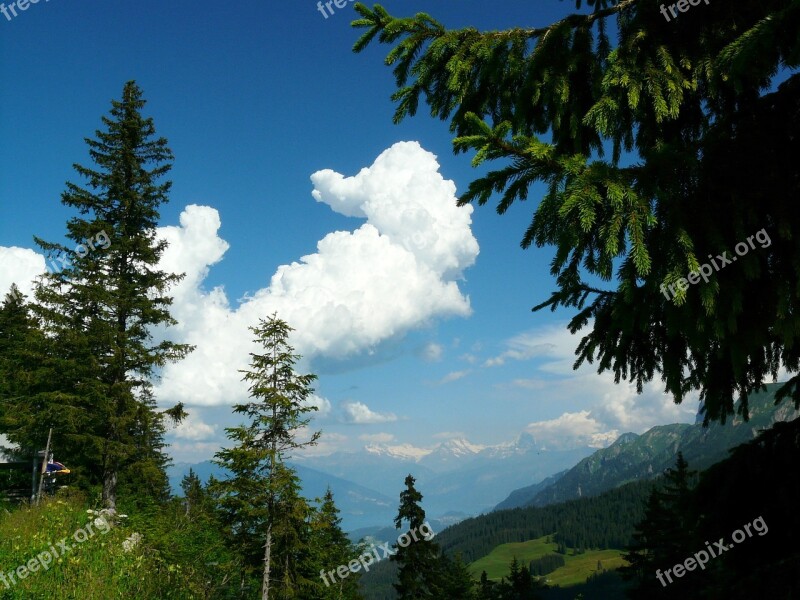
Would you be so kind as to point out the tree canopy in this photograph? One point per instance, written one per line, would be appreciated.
(657, 146)
(260, 502)
(85, 355)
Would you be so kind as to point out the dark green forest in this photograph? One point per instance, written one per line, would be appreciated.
(605, 521)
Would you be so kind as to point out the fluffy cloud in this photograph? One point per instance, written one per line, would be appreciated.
(193, 248)
(323, 405)
(404, 197)
(359, 413)
(570, 430)
(396, 272)
(453, 376)
(20, 266)
(192, 428)
(613, 409)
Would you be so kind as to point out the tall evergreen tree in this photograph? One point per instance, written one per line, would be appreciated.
(487, 589)
(664, 536)
(642, 138)
(454, 579)
(19, 338)
(330, 548)
(417, 557)
(194, 494)
(37, 391)
(520, 584)
(261, 500)
(101, 304)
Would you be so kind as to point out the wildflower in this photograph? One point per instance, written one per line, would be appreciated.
(131, 542)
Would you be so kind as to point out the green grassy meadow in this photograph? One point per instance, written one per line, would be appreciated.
(577, 569)
(96, 565)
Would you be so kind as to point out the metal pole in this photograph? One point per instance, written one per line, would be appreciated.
(33, 474)
(44, 466)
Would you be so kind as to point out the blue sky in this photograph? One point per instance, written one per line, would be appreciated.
(254, 98)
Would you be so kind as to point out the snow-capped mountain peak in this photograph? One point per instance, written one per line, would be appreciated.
(443, 454)
(459, 447)
(398, 451)
(454, 452)
(523, 444)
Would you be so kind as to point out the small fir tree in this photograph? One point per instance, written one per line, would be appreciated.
(260, 500)
(416, 556)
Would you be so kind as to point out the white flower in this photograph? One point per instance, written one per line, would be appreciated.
(132, 542)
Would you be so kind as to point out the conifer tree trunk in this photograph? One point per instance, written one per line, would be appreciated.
(110, 488)
(274, 446)
(267, 558)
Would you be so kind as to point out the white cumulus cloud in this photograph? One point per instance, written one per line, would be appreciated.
(600, 408)
(323, 405)
(570, 430)
(20, 266)
(192, 428)
(359, 413)
(397, 272)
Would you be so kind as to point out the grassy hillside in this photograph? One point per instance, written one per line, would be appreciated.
(577, 570)
(60, 550)
(96, 568)
(496, 562)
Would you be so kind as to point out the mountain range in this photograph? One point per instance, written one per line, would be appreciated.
(636, 457)
(456, 477)
(455, 474)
